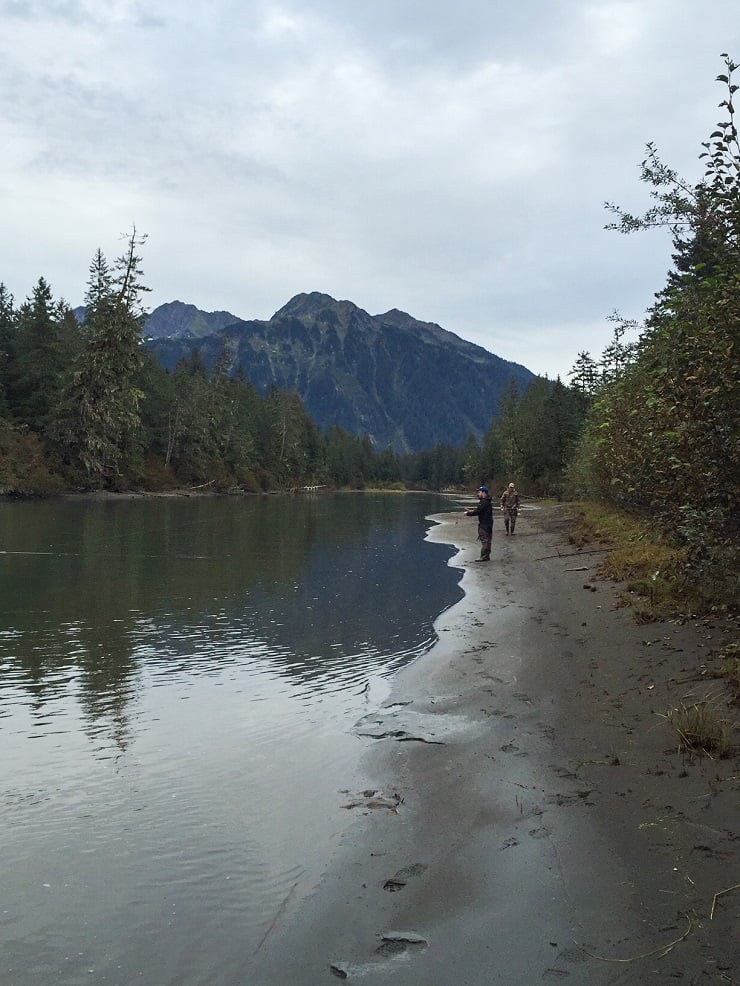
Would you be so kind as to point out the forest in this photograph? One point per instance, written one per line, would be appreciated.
(649, 426)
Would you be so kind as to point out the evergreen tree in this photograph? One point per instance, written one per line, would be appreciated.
(473, 471)
(46, 342)
(386, 466)
(566, 410)
(292, 440)
(99, 283)
(618, 354)
(190, 447)
(156, 384)
(506, 437)
(232, 404)
(7, 346)
(238, 441)
(101, 416)
(585, 375)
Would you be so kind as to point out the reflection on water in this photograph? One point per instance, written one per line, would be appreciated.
(177, 683)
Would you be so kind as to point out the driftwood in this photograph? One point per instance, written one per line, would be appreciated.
(574, 554)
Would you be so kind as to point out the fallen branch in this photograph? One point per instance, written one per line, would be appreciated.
(721, 893)
(657, 952)
(575, 554)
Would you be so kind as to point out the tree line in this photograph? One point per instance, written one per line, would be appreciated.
(662, 437)
(84, 405)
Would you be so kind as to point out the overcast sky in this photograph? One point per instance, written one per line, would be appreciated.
(450, 159)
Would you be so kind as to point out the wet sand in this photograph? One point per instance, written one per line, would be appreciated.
(522, 813)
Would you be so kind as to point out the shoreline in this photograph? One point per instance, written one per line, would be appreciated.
(531, 819)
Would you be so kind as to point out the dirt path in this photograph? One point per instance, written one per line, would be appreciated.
(524, 816)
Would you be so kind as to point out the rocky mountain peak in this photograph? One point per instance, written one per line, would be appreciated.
(317, 307)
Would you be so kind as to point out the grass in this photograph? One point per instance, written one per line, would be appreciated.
(702, 727)
(638, 556)
(729, 669)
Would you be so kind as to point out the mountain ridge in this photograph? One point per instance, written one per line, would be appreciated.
(405, 383)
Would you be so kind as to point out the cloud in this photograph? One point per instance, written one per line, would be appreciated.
(81, 12)
(616, 29)
(453, 164)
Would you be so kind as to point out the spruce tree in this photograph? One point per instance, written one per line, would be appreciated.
(7, 345)
(45, 346)
(102, 406)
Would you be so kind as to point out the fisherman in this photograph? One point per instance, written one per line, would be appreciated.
(510, 507)
(484, 513)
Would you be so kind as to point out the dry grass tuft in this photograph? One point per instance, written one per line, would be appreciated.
(729, 669)
(702, 726)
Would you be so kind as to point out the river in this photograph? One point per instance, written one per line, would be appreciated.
(179, 678)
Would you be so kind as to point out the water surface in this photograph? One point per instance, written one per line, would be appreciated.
(178, 683)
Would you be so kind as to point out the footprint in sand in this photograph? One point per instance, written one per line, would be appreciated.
(399, 880)
(396, 942)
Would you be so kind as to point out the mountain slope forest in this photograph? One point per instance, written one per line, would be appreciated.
(349, 368)
(650, 426)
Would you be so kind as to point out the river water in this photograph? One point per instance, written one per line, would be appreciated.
(179, 679)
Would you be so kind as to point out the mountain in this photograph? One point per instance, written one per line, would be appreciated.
(405, 383)
(186, 321)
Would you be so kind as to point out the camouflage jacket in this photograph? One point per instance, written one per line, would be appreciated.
(510, 502)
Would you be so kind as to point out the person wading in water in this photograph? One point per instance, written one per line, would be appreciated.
(484, 513)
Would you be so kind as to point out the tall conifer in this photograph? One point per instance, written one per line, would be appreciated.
(103, 402)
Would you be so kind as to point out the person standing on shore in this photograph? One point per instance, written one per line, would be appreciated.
(510, 507)
(484, 513)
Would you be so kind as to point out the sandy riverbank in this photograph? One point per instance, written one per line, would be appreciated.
(545, 828)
